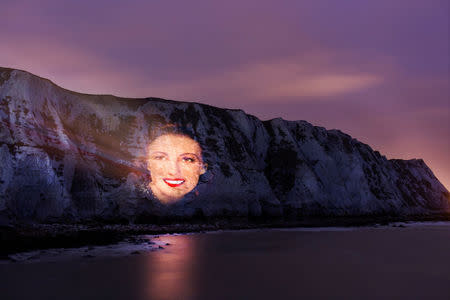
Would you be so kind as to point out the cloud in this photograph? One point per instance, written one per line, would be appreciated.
(70, 67)
(325, 85)
(292, 80)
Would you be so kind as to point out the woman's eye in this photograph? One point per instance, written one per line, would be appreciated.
(188, 159)
(158, 157)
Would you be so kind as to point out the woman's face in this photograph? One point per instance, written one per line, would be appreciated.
(175, 163)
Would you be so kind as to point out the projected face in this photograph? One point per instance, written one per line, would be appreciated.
(175, 163)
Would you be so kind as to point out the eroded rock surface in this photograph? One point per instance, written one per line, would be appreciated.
(69, 157)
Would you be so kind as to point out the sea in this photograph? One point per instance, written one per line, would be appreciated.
(395, 261)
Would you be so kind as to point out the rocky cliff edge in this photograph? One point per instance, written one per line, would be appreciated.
(70, 157)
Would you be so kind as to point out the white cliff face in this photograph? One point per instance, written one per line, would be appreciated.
(72, 157)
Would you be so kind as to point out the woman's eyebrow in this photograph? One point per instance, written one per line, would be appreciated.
(158, 152)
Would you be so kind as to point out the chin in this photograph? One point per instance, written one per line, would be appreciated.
(169, 197)
(165, 193)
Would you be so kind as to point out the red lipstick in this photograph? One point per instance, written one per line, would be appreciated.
(173, 182)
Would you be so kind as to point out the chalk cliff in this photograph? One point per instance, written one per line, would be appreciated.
(69, 157)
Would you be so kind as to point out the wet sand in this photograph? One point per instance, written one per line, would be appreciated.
(316, 263)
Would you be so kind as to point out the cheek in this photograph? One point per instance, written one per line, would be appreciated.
(191, 172)
(156, 168)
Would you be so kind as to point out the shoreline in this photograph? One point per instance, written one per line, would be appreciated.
(28, 237)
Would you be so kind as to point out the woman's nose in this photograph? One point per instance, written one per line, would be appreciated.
(173, 168)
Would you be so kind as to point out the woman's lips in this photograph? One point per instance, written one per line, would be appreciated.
(173, 182)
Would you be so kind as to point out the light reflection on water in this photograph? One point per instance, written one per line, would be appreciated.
(269, 264)
(171, 271)
(294, 264)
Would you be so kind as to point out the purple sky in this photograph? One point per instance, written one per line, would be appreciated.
(375, 69)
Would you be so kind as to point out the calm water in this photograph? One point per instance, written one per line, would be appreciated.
(364, 263)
